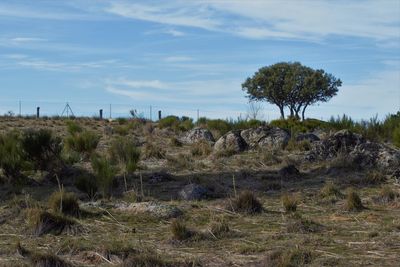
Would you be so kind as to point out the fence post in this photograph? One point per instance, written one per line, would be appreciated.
(101, 114)
(110, 111)
(159, 115)
(38, 112)
(150, 113)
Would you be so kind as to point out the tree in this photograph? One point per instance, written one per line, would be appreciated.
(291, 85)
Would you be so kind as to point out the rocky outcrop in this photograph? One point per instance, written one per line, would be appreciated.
(231, 141)
(356, 149)
(265, 137)
(194, 192)
(156, 209)
(343, 141)
(196, 135)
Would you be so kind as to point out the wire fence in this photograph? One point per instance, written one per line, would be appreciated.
(108, 110)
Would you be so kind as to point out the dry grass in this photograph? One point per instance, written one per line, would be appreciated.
(247, 202)
(353, 201)
(65, 203)
(289, 203)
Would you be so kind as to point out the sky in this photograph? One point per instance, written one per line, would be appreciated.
(182, 56)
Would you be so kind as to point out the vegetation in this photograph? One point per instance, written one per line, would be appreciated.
(289, 203)
(291, 85)
(104, 172)
(247, 202)
(11, 155)
(353, 201)
(84, 142)
(65, 203)
(179, 230)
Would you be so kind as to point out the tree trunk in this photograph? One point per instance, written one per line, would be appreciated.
(291, 112)
(302, 113)
(282, 112)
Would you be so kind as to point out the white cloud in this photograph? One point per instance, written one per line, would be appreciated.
(27, 39)
(174, 32)
(312, 20)
(155, 84)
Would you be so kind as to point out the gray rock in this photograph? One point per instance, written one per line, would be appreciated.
(307, 137)
(372, 154)
(396, 175)
(196, 135)
(194, 192)
(159, 177)
(231, 141)
(155, 209)
(265, 137)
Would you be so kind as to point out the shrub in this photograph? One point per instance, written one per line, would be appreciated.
(65, 203)
(247, 202)
(219, 125)
(42, 148)
(125, 152)
(201, 148)
(353, 201)
(179, 230)
(83, 142)
(121, 129)
(169, 121)
(104, 173)
(122, 121)
(396, 136)
(73, 127)
(11, 155)
(87, 183)
(289, 203)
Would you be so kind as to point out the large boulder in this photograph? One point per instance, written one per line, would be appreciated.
(265, 137)
(196, 135)
(231, 141)
(194, 192)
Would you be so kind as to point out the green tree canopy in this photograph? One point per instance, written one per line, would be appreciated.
(291, 85)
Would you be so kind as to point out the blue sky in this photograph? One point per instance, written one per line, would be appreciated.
(180, 56)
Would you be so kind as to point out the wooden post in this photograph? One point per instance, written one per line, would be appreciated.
(38, 112)
(159, 115)
(101, 114)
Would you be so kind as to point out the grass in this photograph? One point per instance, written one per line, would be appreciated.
(247, 202)
(42, 222)
(201, 148)
(387, 194)
(180, 231)
(289, 203)
(65, 203)
(353, 201)
(293, 257)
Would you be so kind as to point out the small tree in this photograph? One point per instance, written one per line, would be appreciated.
(291, 85)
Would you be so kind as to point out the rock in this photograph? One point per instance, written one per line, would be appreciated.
(155, 209)
(372, 154)
(265, 137)
(231, 141)
(197, 135)
(194, 192)
(343, 141)
(307, 137)
(289, 170)
(357, 149)
(396, 175)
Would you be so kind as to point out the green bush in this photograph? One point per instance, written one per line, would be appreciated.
(73, 127)
(83, 142)
(11, 155)
(104, 173)
(353, 201)
(176, 123)
(42, 148)
(124, 152)
(219, 125)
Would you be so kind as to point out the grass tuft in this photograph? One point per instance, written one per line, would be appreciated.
(179, 230)
(65, 203)
(289, 203)
(353, 201)
(247, 202)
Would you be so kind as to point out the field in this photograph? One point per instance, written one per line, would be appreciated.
(259, 207)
